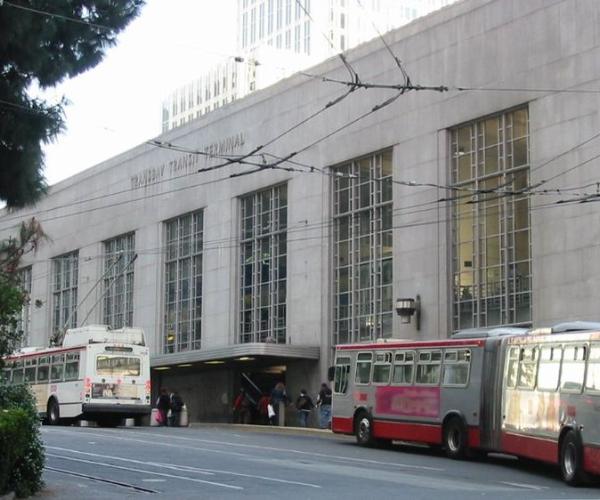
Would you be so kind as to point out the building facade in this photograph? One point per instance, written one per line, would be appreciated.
(276, 38)
(247, 270)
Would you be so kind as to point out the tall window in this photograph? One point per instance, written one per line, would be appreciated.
(24, 319)
(491, 239)
(118, 281)
(264, 266)
(362, 261)
(183, 283)
(64, 291)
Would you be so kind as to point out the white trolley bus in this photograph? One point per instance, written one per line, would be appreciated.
(97, 374)
(533, 394)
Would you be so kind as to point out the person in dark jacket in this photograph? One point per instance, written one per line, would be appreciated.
(324, 404)
(163, 404)
(176, 405)
(304, 405)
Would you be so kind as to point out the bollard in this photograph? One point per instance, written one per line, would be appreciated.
(281, 414)
(129, 422)
(153, 417)
(184, 419)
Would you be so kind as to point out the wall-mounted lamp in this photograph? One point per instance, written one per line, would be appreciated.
(409, 307)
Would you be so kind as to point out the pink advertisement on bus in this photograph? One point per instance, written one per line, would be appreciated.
(408, 401)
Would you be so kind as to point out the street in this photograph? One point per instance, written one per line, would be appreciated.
(232, 462)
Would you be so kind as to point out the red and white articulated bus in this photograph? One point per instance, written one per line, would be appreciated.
(97, 374)
(534, 394)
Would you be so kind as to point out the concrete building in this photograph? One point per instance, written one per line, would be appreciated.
(478, 201)
(276, 38)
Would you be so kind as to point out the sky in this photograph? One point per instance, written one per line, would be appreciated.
(117, 105)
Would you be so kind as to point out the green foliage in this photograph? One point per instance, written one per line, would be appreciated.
(22, 459)
(11, 302)
(41, 49)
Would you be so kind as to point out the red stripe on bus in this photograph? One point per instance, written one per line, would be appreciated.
(404, 431)
(343, 425)
(591, 459)
(474, 439)
(412, 344)
(537, 448)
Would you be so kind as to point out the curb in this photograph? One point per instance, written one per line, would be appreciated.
(326, 433)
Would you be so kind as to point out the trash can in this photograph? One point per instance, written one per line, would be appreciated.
(184, 420)
(154, 418)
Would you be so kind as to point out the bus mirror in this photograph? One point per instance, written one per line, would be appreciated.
(330, 373)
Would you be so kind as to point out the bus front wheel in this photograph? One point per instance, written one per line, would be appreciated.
(455, 438)
(571, 460)
(53, 412)
(363, 428)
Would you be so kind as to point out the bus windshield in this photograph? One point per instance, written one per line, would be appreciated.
(118, 365)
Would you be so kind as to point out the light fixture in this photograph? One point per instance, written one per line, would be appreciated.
(214, 362)
(408, 307)
(246, 358)
(185, 365)
(161, 368)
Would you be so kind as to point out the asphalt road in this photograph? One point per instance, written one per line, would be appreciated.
(234, 462)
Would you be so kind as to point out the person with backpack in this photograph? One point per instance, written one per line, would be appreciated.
(324, 404)
(176, 406)
(304, 405)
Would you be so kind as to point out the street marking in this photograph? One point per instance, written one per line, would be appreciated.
(173, 476)
(153, 480)
(101, 480)
(526, 486)
(110, 457)
(184, 468)
(251, 446)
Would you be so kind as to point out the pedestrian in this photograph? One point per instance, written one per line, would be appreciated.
(263, 409)
(176, 405)
(324, 404)
(163, 404)
(279, 398)
(304, 405)
(241, 408)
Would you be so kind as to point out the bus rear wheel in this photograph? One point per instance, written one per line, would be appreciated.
(363, 429)
(53, 412)
(571, 460)
(455, 439)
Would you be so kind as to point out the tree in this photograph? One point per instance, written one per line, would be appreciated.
(42, 42)
(12, 298)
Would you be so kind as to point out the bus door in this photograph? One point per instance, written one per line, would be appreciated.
(342, 401)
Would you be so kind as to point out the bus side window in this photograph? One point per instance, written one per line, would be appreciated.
(456, 367)
(404, 368)
(428, 367)
(43, 369)
(342, 372)
(528, 367)
(382, 368)
(72, 366)
(363, 368)
(512, 367)
(57, 371)
(573, 368)
(592, 381)
(30, 365)
(18, 372)
(549, 368)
